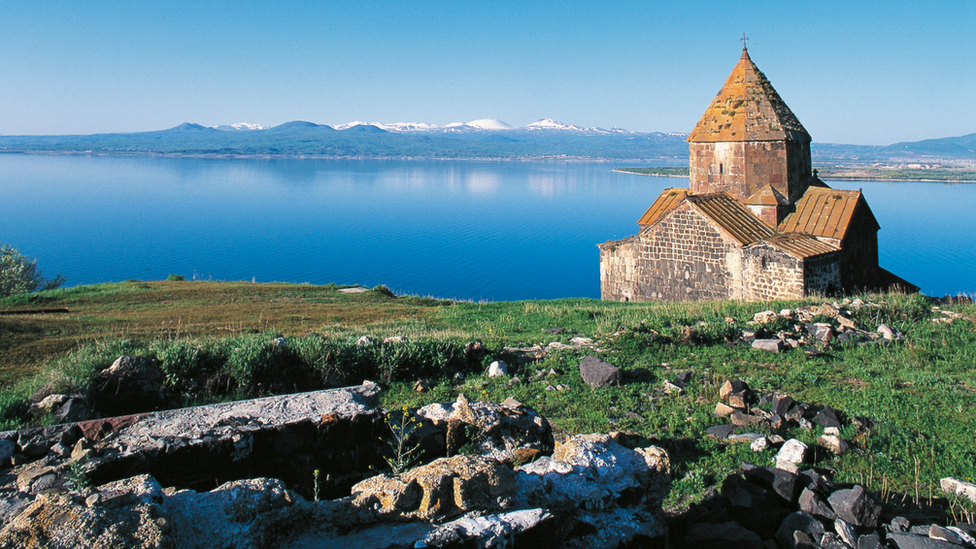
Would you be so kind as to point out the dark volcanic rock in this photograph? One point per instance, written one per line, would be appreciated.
(753, 507)
(855, 507)
(599, 374)
(783, 483)
(799, 522)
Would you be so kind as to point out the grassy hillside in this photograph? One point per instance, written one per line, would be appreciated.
(216, 341)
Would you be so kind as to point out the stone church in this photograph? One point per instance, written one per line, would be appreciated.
(756, 223)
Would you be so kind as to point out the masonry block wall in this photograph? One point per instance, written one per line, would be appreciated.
(742, 168)
(682, 258)
(769, 273)
(617, 266)
(822, 274)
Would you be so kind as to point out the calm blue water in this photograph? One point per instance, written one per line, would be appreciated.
(458, 229)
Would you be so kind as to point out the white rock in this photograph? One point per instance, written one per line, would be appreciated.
(497, 369)
(759, 444)
(954, 486)
(792, 453)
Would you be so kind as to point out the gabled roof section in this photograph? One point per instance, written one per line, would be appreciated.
(827, 213)
(767, 196)
(666, 201)
(801, 245)
(747, 108)
(732, 217)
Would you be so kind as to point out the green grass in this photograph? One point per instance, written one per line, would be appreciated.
(215, 341)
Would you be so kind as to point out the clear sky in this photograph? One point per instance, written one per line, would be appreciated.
(861, 72)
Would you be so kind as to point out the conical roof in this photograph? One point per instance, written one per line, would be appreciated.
(747, 108)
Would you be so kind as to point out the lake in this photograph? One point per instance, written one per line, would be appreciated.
(478, 230)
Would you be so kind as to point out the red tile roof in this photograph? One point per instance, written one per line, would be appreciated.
(666, 201)
(731, 216)
(826, 213)
(801, 245)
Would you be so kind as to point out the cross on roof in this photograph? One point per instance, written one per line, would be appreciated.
(744, 38)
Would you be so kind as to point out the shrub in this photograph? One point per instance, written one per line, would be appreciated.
(175, 278)
(19, 274)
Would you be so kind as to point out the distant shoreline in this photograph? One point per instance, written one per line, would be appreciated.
(969, 177)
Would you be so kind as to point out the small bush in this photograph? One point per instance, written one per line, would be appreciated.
(175, 278)
(19, 274)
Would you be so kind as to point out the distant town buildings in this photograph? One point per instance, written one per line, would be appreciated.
(757, 223)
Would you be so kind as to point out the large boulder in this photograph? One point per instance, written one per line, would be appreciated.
(131, 384)
(444, 487)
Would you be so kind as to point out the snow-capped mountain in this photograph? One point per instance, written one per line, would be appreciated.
(550, 124)
(488, 124)
(482, 124)
(240, 126)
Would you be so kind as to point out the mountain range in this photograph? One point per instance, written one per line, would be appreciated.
(484, 138)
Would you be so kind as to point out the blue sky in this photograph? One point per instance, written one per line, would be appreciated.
(867, 72)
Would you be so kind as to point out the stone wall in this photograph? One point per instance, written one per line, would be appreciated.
(769, 273)
(859, 256)
(683, 258)
(822, 274)
(744, 167)
(617, 267)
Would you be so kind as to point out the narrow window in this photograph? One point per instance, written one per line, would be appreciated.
(721, 169)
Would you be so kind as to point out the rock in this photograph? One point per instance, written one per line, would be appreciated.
(739, 400)
(519, 528)
(846, 532)
(912, 541)
(889, 333)
(738, 418)
(723, 410)
(391, 340)
(967, 535)
(791, 454)
(832, 541)
(954, 486)
(757, 509)
(684, 378)
(824, 333)
(732, 386)
(500, 429)
(945, 534)
(724, 535)
(764, 317)
(900, 524)
(497, 368)
(443, 487)
(599, 374)
(833, 443)
(799, 522)
(421, 386)
(671, 388)
(828, 417)
(870, 541)
(855, 507)
(770, 345)
(720, 432)
(812, 503)
(759, 444)
(48, 404)
(778, 422)
(591, 472)
(817, 482)
(783, 483)
(781, 404)
(833, 431)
